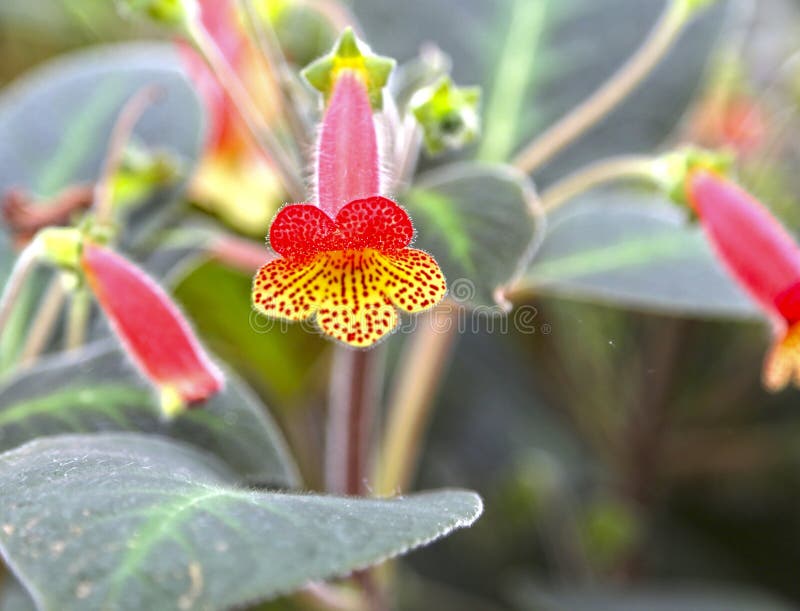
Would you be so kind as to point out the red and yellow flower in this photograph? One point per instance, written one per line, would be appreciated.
(345, 261)
(764, 259)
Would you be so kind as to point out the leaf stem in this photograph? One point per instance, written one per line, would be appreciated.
(44, 322)
(24, 266)
(120, 135)
(660, 40)
(420, 372)
(78, 318)
(595, 174)
(354, 394)
(248, 110)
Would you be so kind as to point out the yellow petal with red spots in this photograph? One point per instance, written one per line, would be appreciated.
(351, 292)
(413, 280)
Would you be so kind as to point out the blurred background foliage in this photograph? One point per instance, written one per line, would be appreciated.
(625, 450)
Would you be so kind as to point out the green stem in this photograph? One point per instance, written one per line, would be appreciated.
(77, 321)
(44, 322)
(121, 134)
(24, 266)
(420, 373)
(660, 40)
(596, 174)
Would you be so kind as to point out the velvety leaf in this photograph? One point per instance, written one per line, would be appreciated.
(97, 389)
(478, 221)
(13, 596)
(635, 252)
(56, 121)
(127, 521)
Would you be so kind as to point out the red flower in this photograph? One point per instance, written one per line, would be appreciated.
(153, 330)
(764, 259)
(219, 19)
(346, 262)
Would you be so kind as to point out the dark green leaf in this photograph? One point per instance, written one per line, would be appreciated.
(634, 252)
(97, 389)
(478, 221)
(127, 521)
(13, 596)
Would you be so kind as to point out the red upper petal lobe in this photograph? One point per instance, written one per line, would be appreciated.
(374, 222)
(300, 230)
(757, 250)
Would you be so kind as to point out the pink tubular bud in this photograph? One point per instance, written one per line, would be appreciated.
(348, 165)
(152, 329)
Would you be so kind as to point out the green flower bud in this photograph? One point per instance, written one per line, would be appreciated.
(449, 115)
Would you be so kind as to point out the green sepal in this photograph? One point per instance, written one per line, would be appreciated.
(351, 54)
(170, 13)
(670, 171)
(61, 246)
(449, 115)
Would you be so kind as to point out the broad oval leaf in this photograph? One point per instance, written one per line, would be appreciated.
(97, 389)
(479, 221)
(56, 121)
(635, 252)
(128, 521)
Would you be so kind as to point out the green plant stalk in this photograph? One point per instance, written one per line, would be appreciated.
(658, 43)
(120, 135)
(24, 266)
(44, 322)
(420, 373)
(78, 318)
(594, 175)
(261, 132)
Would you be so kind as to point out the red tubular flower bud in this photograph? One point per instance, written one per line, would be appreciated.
(348, 165)
(152, 329)
(764, 259)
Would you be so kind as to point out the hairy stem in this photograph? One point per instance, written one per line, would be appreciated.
(249, 112)
(354, 395)
(611, 93)
(596, 174)
(420, 372)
